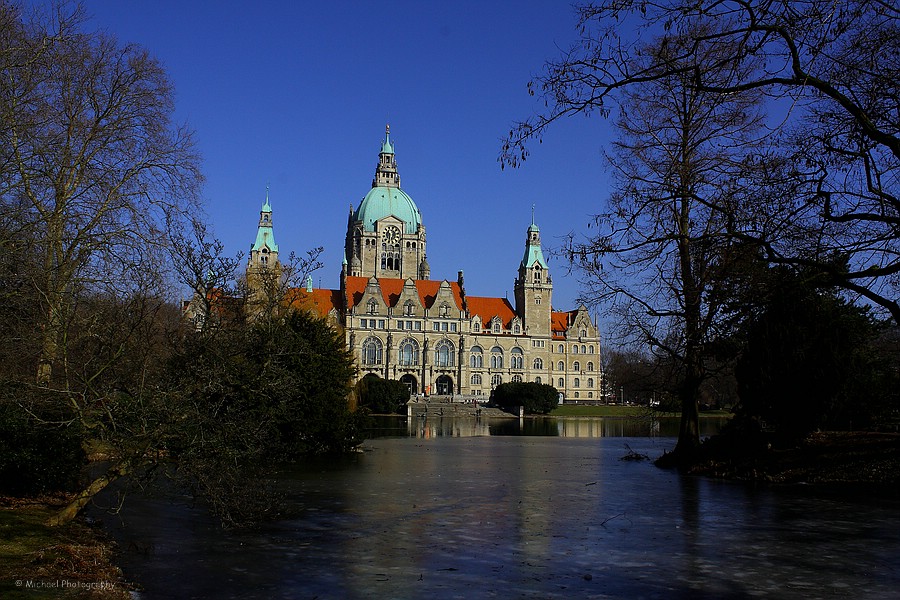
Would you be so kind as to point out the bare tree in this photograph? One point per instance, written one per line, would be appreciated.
(663, 249)
(90, 156)
(831, 67)
(271, 290)
(200, 263)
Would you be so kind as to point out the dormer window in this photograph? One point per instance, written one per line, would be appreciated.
(372, 306)
(495, 325)
(445, 310)
(408, 308)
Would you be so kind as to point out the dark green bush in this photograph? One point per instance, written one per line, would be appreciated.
(537, 398)
(383, 396)
(37, 458)
(812, 361)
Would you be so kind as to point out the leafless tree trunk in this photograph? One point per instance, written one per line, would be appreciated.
(662, 251)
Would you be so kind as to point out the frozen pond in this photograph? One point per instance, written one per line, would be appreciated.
(507, 516)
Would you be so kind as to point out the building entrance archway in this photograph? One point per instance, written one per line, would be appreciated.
(444, 385)
(411, 383)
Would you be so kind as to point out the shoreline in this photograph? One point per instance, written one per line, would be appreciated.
(76, 560)
(832, 458)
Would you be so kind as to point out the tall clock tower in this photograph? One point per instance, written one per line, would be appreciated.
(385, 235)
(533, 287)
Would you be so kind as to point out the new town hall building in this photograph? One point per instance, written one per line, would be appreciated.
(401, 324)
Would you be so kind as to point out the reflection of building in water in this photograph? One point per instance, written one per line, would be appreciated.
(592, 427)
(433, 335)
(431, 427)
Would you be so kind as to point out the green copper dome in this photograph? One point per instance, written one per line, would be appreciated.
(383, 202)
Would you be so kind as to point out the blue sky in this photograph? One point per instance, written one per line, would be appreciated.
(296, 95)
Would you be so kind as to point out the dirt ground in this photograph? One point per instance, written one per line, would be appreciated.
(36, 561)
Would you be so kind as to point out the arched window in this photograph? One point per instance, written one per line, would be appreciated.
(476, 357)
(409, 352)
(444, 354)
(590, 349)
(496, 357)
(590, 394)
(475, 379)
(408, 308)
(583, 333)
(537, 364)
(560, 383)
(537, 379)
(372, 351)
(583, 349)
(496, 380)
(577, 382)
(517, 329)
(590, 382)
(590, 366)
(576, 366)
(495, 325)
(537, 274)
(560, 366)
(518, 359)
(575, 348)
(561, 349)
(517, 379)
(372, 306)
(476, 325)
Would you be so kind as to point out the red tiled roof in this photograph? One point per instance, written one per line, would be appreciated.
(559, 323)
(391, 289)
(488, 308)
(320, 301)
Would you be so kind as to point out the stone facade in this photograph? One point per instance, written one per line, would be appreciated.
(400, 324)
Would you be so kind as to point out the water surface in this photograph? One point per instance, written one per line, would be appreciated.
(511, 516)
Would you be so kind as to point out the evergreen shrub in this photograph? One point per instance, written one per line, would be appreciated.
(537, 398)
(383, 396)
(35, 457)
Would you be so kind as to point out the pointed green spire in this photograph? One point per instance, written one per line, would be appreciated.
(265, 236)
(533, 227)
(533, 252)
(266, 207)
(387, 147)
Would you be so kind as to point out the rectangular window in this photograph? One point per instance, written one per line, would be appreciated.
(380, 323)
(436, 326)
(452, 326)
(418, 326)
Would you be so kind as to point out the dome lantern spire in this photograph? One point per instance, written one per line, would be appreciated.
(386, 174)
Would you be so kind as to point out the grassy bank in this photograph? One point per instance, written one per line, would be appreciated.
(36, 561)
(580, 410)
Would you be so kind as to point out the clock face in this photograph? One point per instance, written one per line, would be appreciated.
(391, 235)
